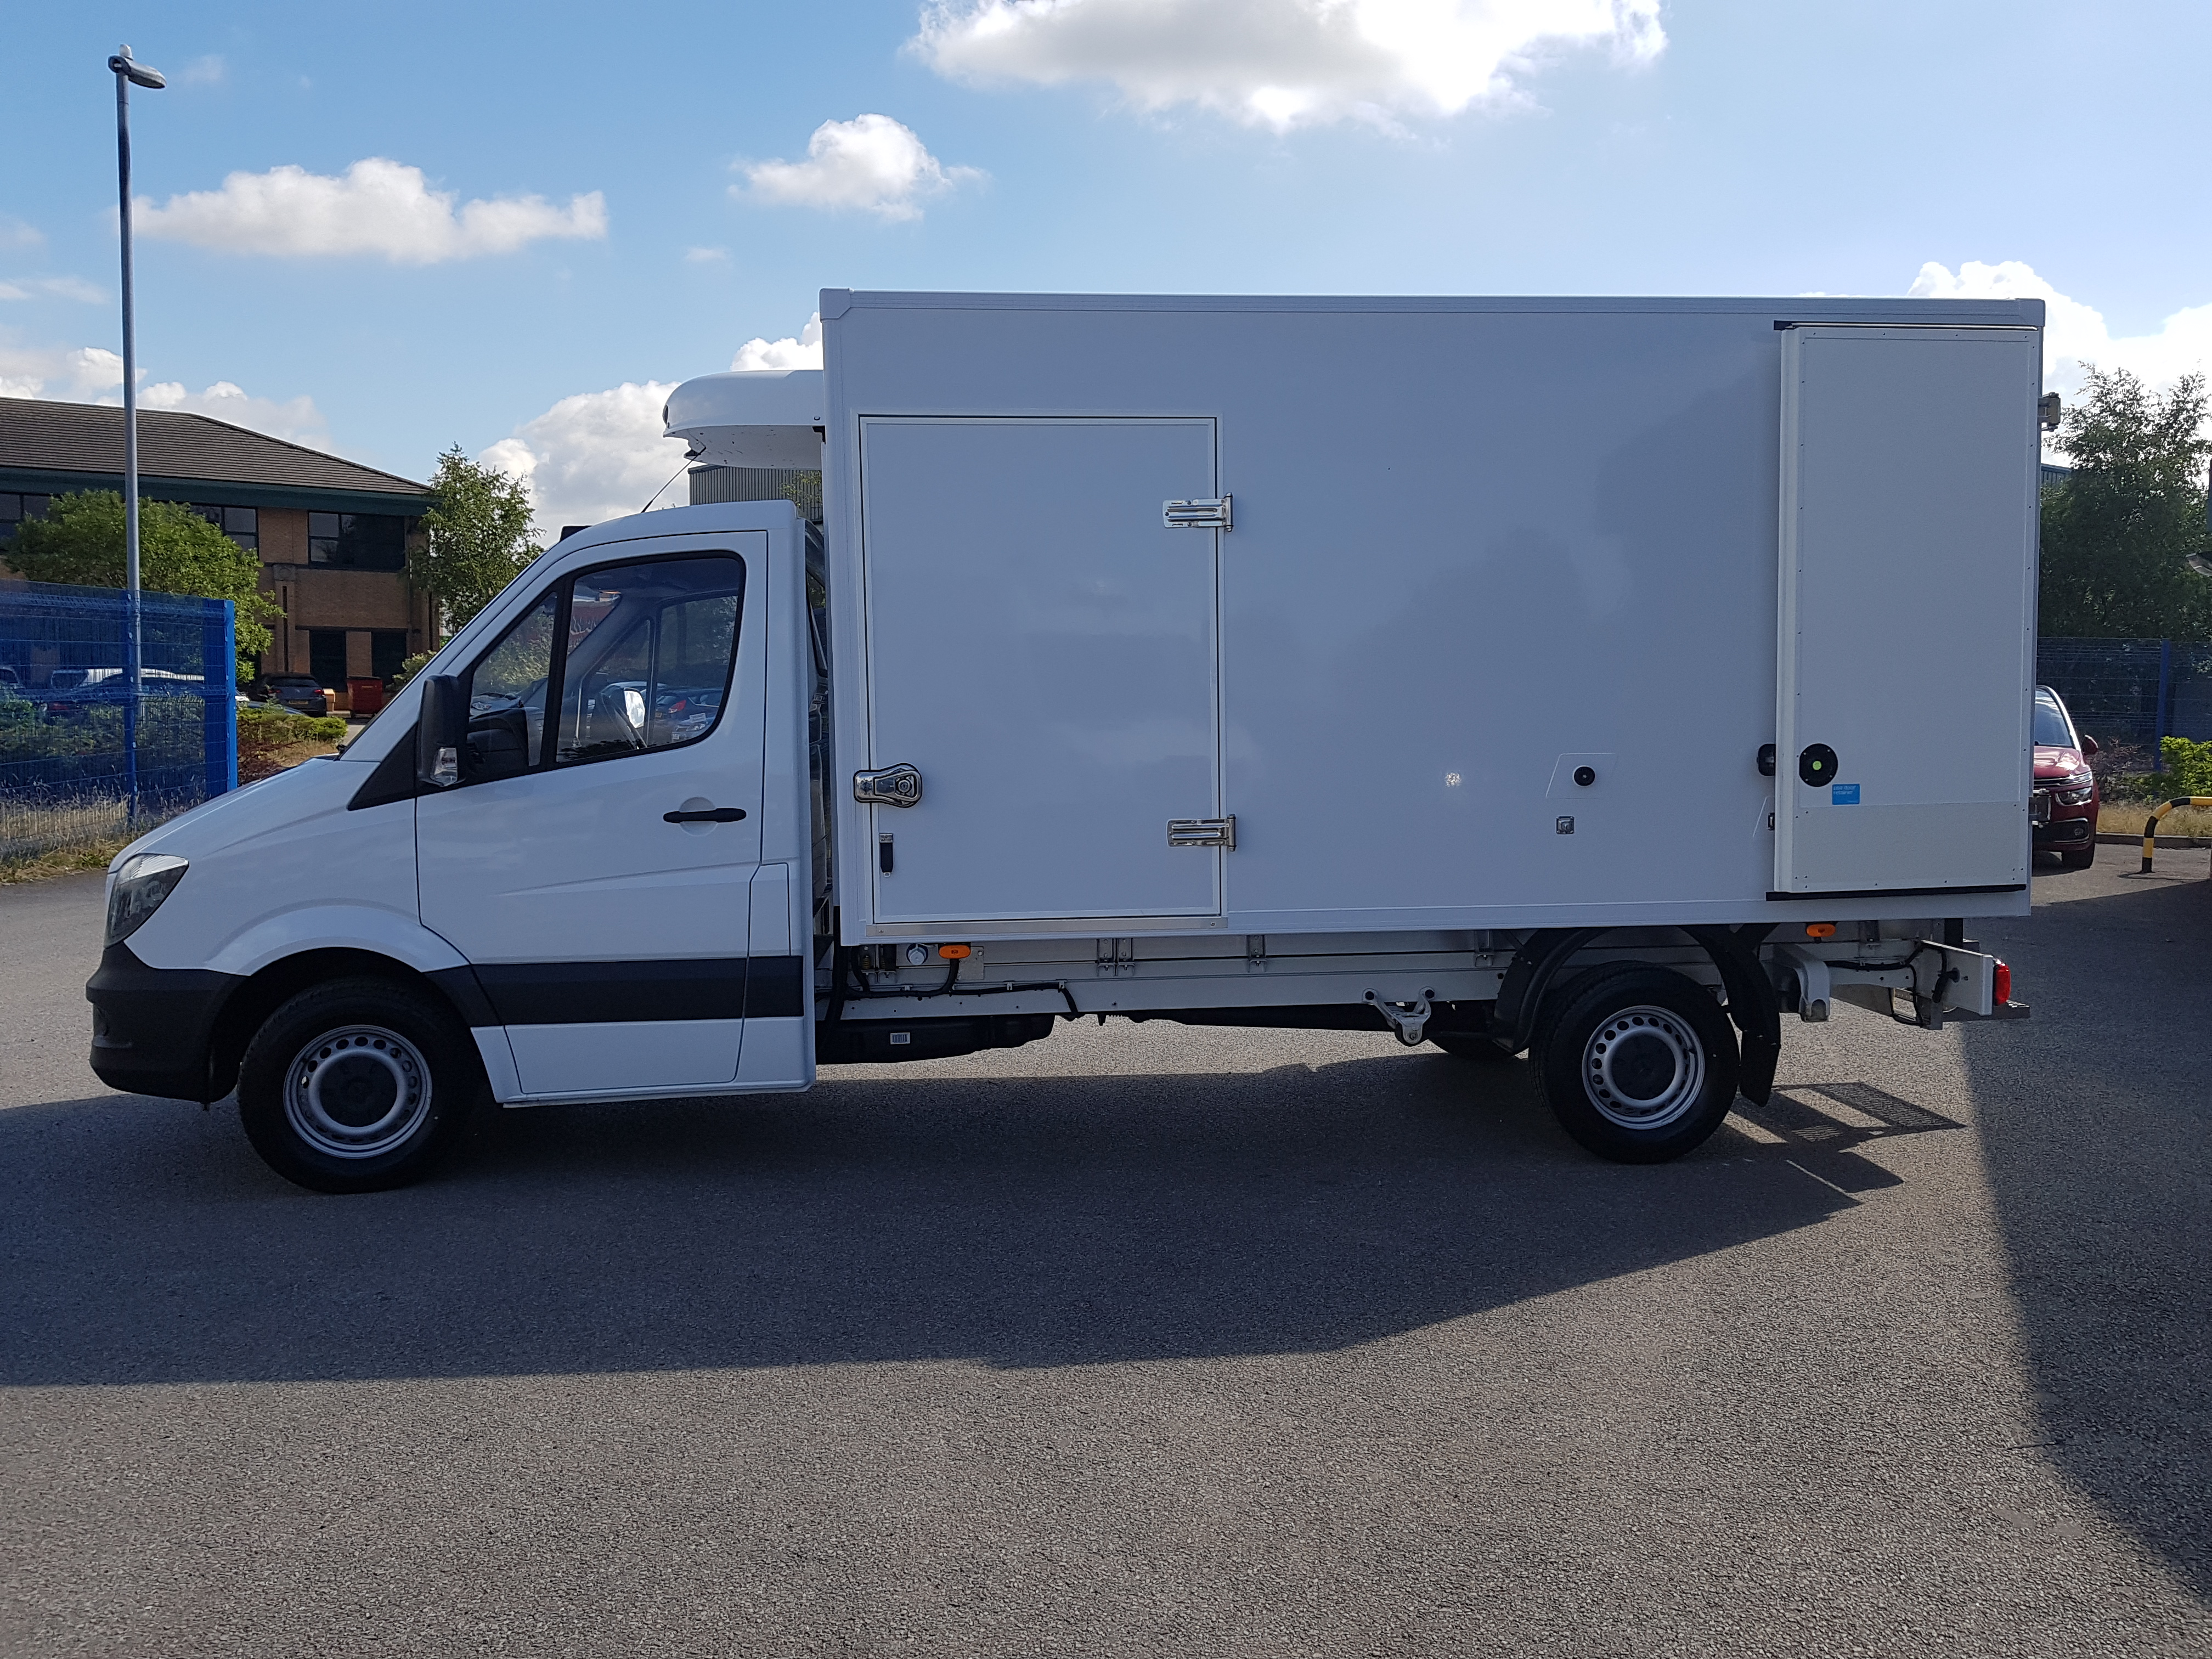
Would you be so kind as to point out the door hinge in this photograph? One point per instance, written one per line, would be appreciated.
(892, 785)
(1203, 832)
(1203, 513)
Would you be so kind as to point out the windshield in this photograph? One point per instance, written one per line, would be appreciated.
(2051, 729)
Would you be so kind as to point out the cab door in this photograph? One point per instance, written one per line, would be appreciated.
(595, 864)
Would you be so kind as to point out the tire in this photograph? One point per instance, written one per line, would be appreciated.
(358, 1085)
(1639, 1063)
(2080, 860)
(1465, 1045)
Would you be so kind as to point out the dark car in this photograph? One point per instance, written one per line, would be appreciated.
(2063, 807)
(297, 692)
(73, 693)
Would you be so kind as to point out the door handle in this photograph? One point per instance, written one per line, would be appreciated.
(712, 815)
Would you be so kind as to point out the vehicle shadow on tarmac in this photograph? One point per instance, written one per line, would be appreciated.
(2095, 1138)
(897, 1215)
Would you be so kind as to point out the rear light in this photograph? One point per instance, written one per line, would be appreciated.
(2001, 991)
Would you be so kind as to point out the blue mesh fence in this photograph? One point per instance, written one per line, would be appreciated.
(79, 762)
(2128, 694)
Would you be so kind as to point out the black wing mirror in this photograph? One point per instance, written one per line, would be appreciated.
(441, 732)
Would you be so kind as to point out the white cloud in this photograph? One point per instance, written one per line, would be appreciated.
(13, 232)
(375, 207)
(206, 72)
(2073, 333)
(706, 256)
(804, 352)
(869, 161)
(296, 418)
(1282, 63)
(61, 287)
(79, 375)
(93, 374)
(596, 456)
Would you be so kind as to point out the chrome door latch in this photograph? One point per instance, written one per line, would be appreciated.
(892, 785)
(1203, 514)
(1203, 832)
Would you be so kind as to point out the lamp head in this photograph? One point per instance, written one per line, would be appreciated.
(137, 74)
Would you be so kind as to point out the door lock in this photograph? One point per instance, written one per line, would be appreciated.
(891, 786)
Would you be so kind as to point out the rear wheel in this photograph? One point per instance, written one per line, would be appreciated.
(1639, 1063)
(357, 1085)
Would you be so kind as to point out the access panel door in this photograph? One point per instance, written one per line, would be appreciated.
(1908, 476)
(596, 867)
(1042, 647)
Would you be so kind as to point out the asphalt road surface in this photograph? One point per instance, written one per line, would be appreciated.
(1149, 1341)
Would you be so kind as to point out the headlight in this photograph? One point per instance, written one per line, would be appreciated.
(2075, 788)
(140, 886)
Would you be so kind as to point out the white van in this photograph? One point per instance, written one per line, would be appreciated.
(1598, 677)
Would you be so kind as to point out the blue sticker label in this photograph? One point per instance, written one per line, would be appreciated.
(1842, 794)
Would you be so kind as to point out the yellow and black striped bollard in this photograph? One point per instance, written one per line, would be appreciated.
(2150, 830)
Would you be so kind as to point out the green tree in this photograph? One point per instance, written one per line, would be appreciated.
(81, 540)
(476, 540)
(2124, 535)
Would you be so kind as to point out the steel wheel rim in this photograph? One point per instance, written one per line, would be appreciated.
(1622, 1063)
(357, 1092)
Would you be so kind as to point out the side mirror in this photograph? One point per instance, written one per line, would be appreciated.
(441, 731)
(2088, 745)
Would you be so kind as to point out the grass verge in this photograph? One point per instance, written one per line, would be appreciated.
(63, 861)
(2127, 819)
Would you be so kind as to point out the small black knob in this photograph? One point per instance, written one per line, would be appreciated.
(1766, 760)
(1817, 765)
(1585, 775)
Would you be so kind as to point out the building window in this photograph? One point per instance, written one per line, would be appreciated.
(327, 656)
(387, 649)
(357, 541)
(14, 509)
(241, 524)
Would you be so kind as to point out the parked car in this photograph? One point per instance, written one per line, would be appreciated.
(73, 691)
(2064, 807)
(298, 693)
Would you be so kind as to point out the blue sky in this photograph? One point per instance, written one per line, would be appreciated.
(1384, 146)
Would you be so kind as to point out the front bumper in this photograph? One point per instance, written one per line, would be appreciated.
(153, 1028)
(2066, 832)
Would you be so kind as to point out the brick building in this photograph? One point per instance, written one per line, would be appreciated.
(332, 536)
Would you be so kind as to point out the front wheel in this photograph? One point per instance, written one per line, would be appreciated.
(1639, 1063)
(2081, 860)
(357, 1085)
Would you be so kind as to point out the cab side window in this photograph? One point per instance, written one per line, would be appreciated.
(647, 656)
(629, 658)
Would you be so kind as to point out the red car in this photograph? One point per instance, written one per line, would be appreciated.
(2063, 808)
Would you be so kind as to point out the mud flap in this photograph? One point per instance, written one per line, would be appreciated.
(1752, 1001)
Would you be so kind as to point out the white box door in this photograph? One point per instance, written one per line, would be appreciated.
(1043, 649)
(1909, 480)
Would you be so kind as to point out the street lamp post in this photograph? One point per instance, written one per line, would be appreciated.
(128, 74)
